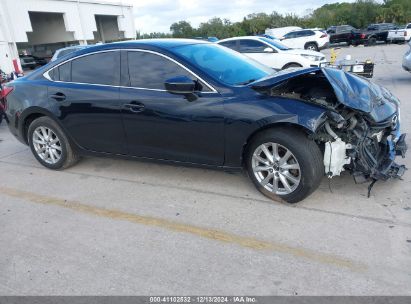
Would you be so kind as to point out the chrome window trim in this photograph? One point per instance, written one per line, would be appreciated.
(47, 76)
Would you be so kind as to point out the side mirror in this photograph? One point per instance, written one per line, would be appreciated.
(180, 85)
(268, 50)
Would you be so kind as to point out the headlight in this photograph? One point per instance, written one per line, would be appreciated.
(312, 57)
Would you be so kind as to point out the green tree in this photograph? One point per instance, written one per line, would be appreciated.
(182, 29)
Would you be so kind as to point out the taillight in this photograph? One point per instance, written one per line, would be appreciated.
(324, 36)
(362, 36)
(6, 91)
(3, 94)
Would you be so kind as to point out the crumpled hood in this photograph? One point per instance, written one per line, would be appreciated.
(351, 90)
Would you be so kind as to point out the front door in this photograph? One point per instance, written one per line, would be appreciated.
(162, 125)
(256, 50)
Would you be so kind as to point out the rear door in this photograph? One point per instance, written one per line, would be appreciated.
(85, 93)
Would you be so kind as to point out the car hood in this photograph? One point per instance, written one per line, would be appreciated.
(304, 52)
(351, 90)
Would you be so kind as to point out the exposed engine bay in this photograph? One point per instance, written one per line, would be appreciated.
(361, 140)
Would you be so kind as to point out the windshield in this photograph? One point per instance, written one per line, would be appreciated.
(277, 44)
(223, 63)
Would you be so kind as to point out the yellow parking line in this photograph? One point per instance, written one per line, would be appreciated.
(212, 234)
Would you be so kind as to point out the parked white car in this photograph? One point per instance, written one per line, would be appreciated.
(406, 62)
(314, 40)
(273, 53)
(400, 35)
(281, 31)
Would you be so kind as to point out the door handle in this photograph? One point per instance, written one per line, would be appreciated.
(134, 107)
(58, 96)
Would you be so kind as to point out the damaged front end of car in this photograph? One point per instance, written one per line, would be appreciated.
(360, 129)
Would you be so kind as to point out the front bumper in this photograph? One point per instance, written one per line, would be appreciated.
(388, 168)
(396, 39)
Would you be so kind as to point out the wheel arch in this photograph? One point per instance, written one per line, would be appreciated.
(31, 114)
(275, 125)
(291, 63)
(310, 42)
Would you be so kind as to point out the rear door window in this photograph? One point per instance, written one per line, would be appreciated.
(232, 44)
(101, 68)
(252, 46)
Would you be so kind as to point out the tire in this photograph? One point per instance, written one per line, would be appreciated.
(305, 154)
(292, 65)
(372, 41)
(44, 133)
(311, 46)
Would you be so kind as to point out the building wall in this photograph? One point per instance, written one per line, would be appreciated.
(78, 19)
(42, 23)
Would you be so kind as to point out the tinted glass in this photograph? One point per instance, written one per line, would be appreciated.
(230, 44)
(102, 68)
(290, 35)
(150, 71)
(251, 46)
(409, 26)
(222, 63)
(64, 72)
(275, 43)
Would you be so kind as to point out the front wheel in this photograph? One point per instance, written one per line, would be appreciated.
(284, 164)
(50, 145)
(291, 65)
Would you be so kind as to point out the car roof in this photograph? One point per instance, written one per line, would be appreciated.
(165, 43)
(243, 37)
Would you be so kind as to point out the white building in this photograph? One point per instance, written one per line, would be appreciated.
(40, 27)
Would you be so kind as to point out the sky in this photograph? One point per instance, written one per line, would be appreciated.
(158, 15)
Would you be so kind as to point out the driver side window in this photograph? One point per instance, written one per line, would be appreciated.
(252, 46)
(150, 71)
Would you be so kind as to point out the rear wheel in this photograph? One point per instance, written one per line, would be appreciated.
(311, 46)
(371, 41)
(284, 164)
(50, 145)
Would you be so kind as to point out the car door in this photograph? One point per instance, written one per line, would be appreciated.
(333, 36)
(256, 50)
(85, 93)
(162, 125)
(290, 40)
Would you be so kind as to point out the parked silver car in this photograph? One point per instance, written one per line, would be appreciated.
(406, 62)
(67, 50)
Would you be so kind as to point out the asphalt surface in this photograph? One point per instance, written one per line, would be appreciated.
(118, 227)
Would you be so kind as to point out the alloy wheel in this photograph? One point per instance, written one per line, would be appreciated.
(276, 168)
(47, 145)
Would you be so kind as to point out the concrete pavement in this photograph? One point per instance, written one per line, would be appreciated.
(119, 227)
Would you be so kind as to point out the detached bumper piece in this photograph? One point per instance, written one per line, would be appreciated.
(401, 147)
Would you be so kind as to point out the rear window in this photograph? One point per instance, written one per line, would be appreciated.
(101, 68)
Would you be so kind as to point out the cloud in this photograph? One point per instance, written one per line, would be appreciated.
(158, 15)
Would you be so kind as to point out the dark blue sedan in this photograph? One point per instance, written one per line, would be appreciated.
(194, 102)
